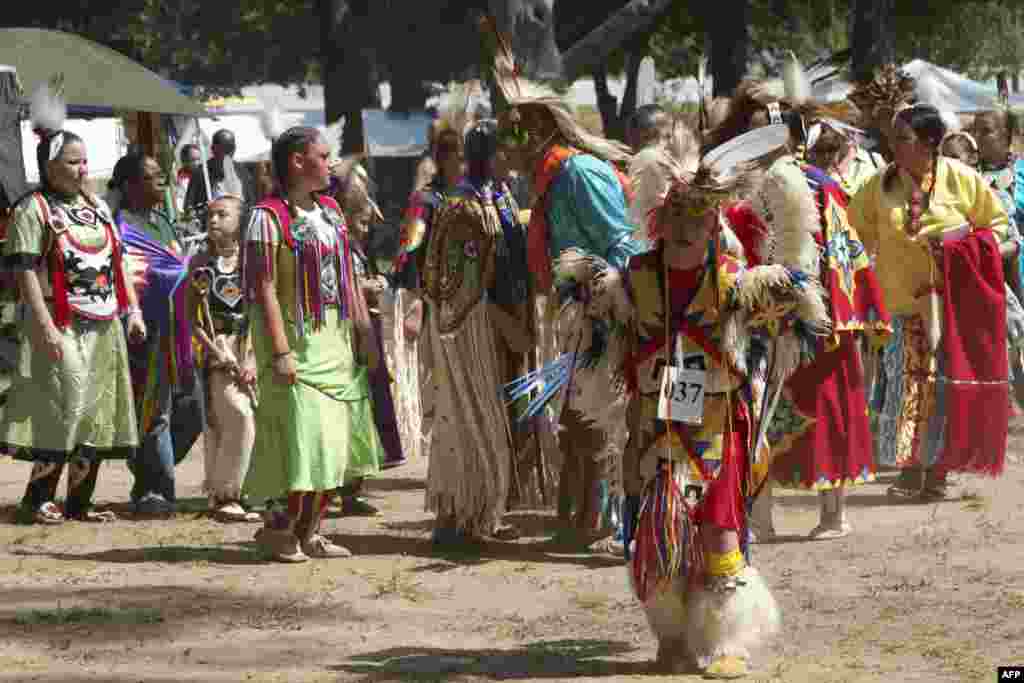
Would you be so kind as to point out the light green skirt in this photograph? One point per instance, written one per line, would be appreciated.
(85, 399)
(318, 433)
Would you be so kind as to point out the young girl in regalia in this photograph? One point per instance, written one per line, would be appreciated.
(221, 325)
(70, 401)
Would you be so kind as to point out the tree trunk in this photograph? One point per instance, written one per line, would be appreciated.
(1015, 79)
(348, 68)
(727, 23)
(593, 50)
(872, 41)
(607, 103)
(629, 95)
(408, 92)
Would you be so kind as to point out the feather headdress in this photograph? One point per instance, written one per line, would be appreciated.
(890, 88)
(672, 182)
(515, 94)
(793, 86)
(48, 113)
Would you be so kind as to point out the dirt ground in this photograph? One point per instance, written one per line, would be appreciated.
(919, 593)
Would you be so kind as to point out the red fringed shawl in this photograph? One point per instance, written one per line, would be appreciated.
(976, 367)
(309, 300)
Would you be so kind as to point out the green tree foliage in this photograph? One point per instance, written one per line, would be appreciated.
(220, 44)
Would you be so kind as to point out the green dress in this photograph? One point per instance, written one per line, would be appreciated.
(85, 399)
(318, 433)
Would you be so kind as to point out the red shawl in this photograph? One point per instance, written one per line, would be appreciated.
(974, 339)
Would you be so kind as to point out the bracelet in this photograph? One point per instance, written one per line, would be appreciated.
(135, 310)
(278, 356)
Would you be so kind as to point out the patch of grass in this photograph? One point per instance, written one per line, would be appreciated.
(30, 538)
(975, 502)
(1015, 600)
(400, 585)
(180, 553)
(592, 602)
(88, 615)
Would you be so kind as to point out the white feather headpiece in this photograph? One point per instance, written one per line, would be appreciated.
(272, 121)
(48, 113)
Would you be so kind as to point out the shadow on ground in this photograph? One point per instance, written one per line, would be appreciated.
(177, 609)
(559, 659)
(240, 554)
(542, 552)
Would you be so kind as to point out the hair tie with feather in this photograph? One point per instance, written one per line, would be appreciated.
(48, 113)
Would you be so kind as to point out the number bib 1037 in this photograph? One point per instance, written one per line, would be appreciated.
(682, 395)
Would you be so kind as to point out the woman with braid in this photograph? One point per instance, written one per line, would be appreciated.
(313, 342)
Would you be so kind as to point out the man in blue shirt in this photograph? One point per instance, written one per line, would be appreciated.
(581, 204)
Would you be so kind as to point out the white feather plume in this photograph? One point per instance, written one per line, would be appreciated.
(332, 134)
(272, 121)
(47, 108)
(796, 85)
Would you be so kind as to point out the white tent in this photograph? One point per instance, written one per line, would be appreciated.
(954, 92)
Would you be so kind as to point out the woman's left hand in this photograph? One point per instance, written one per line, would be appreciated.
(136, 327)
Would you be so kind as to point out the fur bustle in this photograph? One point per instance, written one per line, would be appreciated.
(732, 624)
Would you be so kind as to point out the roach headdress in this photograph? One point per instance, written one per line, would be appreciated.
(674, 183)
